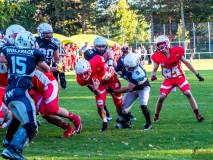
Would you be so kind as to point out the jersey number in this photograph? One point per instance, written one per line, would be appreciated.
(18, 64)
(171, 73)
(48, 52)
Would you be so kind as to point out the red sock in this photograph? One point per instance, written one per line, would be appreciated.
(156, 115)
(70, 116)
(196, 112)
(64, 125)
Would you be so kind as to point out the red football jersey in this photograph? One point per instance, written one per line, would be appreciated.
(171, 66)
(3, 75)
(41, 79)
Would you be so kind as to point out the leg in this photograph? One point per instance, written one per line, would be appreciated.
(109, 117)
(144, 98)
(159, 106)
(193, 105)
(56, 120)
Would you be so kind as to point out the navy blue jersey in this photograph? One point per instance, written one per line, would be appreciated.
(21, 64)
(137, 77)
(120, 64)
(48, 48)
(88, 54)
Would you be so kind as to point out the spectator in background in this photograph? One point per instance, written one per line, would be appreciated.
(125, 48)
(117, 51)
(73, 49)
(84, 48)
(143, 54)
(149, 54)
(68, 57)
(192, 54)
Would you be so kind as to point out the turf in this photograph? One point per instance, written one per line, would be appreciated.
(177, 136)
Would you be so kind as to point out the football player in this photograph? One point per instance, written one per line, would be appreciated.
(100, 48)
(45, 87)
(22, 60)
(46, 44)
(170, 60)
(138, 87)
(96, 76)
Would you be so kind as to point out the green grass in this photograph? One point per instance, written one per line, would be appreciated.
(177, 136)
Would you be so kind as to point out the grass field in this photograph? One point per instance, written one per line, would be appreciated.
(177, 136)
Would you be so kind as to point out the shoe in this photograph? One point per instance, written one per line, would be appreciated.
(64, 88)
(147, 127)
(109, 118)
(5, 143)
(104, 127)
(38, 122)
(77, 123)
(132, 118)
(127, 124)
(12, 152)
(200, 118)
(155, 119)
(69, 131)
(124, 124)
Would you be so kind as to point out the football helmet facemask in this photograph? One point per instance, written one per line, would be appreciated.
(83, 69)
(25, 40)
(100, 45)
(45, 31)
(131, 61)
(162, 43)
(11, 33)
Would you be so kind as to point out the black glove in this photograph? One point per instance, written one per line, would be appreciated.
(109, 89)
(199, 77)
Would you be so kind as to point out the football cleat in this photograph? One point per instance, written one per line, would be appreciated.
(5, 143)
(12, 152)
(124, 124)
(200, 118)
(132, 118)
(104, 127)
(69, 131)
(109, 118)
(77, 123)
(147, 127)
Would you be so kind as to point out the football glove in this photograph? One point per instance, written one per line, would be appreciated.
(153, 78)
(109, 89)
(59, 66)
(199, 77)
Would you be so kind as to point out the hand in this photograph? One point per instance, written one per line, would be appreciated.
(59, 66)
(96, 84)
(109, 89)
(153, 78)
(199, 77)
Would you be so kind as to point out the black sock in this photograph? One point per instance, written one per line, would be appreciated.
(146, 113)
(12, 128)
(107, 112)
(126, 117)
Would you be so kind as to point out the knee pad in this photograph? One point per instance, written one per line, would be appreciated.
(31, 129)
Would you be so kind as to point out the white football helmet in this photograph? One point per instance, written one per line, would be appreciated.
(11, 33)
(162, 43)
(100, 45)
(46, 29)
(131, 61)
(56, 41)
(25, 40)
(83, 69)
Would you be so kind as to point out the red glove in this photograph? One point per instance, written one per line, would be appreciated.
(153, 78)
